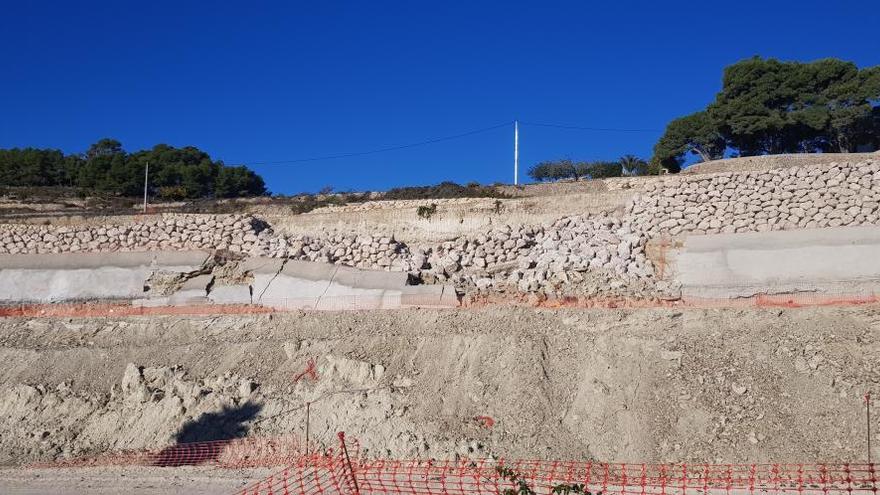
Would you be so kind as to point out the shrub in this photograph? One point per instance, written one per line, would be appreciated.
(523, 488)
(173, 193)
(553, 170)
(567, 169)
(426, 212)
(443, 190)
(603, 170)
(305, 203)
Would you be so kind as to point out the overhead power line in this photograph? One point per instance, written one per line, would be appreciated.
(383, 150)
(444, 138)
(598, 129)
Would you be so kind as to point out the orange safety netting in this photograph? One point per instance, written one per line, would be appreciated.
(231, 453)
(499, 477)
(342, 471)
(337, 473)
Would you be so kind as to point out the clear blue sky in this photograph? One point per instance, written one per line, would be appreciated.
(268, 81)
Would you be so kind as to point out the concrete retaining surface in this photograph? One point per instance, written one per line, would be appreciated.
(293, 284)
(277, 283)
(843, 260)
(31, 278)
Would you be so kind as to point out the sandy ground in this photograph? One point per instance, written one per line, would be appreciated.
(649, 385)
(128, 480)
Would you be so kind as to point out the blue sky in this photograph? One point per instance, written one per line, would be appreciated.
(253, 82)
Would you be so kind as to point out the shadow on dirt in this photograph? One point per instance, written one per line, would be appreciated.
(203, 440)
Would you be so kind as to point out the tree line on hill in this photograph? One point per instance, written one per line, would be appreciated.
(576, 170)
(769, 107)
(765, 106)
(106, 168)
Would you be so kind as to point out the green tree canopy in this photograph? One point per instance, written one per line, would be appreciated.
(106, 167)
(37, 167)
(554, 170)
(766, 106)
(239, 181)
(604, 169)
(696, 134)
(568, 169)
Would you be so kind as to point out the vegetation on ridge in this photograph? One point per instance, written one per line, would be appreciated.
(567, 169)
(106, 168)
(769, 107)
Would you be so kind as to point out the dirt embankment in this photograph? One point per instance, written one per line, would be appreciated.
(616, 385)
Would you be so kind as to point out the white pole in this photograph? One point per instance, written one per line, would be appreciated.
(515, 152)
(146, 181)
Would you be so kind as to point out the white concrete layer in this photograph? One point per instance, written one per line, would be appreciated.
(283, 284)
(831, 260)
(86, 276)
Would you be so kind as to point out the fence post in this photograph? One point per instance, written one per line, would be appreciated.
(308, 411)
(341, 436)
(868, 419)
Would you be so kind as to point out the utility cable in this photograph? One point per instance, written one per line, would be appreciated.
(598, 129)
(445, 138)
(383, 150)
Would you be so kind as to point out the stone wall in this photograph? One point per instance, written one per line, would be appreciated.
(561, 258)
(816, 196)
(576, 254)
(767, 162)
(169, 232)
(554, 258)
(549, 258)
(399, 204)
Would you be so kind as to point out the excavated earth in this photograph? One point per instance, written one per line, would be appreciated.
(646, 385)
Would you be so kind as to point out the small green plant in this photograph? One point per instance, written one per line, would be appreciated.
(173, 193)
(566, 489)
(499, 206)
(427, 212)
(523, 488)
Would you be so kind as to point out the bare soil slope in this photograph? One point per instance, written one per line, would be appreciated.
(616, 385)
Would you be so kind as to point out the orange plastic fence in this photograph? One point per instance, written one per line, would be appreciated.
(232, 453)
(342, 471)
(337, 473)
(499, 477)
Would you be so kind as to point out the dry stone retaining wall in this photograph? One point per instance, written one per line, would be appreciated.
(171, 232)
(527, 259)
(816, 196)
(766, 162)
(573, 255)
(554, 258)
